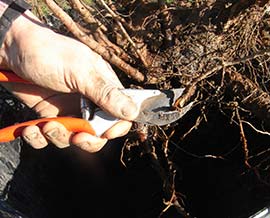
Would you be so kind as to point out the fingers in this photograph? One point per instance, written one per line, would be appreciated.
(33, 136)
(111, 99)
(92, 143)
(53, 132)
(88, 142)
(121, 128)
(57, 134)
(102, 86)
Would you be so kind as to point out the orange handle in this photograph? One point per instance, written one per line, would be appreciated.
(71, 123)
(12, 132)
(9, 76)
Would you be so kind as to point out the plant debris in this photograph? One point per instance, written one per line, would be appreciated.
(219, 50)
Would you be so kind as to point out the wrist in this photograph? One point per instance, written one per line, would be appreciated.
(23, 33)
(10, 11)
(21, 28)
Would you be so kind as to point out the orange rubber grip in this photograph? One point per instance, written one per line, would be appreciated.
(9, 76)
(72, 124)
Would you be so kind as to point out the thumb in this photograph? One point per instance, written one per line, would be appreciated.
(110, 99)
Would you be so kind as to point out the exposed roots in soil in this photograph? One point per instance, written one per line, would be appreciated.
(219, 50)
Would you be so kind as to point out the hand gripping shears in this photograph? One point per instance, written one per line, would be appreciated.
(155, 108)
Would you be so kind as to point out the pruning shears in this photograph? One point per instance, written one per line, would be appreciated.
(155, 108)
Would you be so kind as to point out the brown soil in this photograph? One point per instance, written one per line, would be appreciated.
(214, 162)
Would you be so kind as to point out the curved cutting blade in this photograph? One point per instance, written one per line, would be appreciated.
(158, 109)
(163, 116)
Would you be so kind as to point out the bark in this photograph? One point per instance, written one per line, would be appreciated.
(95, 46)
(250, 95)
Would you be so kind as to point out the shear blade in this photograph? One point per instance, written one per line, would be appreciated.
(157, 110)
(162, 118)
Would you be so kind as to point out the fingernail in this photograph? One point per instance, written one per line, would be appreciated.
(58, 137)
(92, 147)
(36, 140)
(53, 133)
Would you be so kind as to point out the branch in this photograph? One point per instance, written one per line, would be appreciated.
(255, 129)
(251, 96)
(98, 29)
(125, 33)
(191, 89)
(87, 15)
(243, 138)
(95, 46)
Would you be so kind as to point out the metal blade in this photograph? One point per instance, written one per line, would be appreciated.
(158, 109)
(152, 98)
(162, 117)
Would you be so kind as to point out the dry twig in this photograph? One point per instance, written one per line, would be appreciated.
(87, 15)
(125, 33)
(95, 46)
(98, 29)
(257, 130)
(243, 137)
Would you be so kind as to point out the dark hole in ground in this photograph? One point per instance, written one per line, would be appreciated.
(70, 183)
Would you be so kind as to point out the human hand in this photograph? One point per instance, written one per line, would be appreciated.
(61, 68)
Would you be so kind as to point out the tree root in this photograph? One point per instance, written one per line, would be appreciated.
(126, 35)
(251, 97)
(94, 45)
(98, 29)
